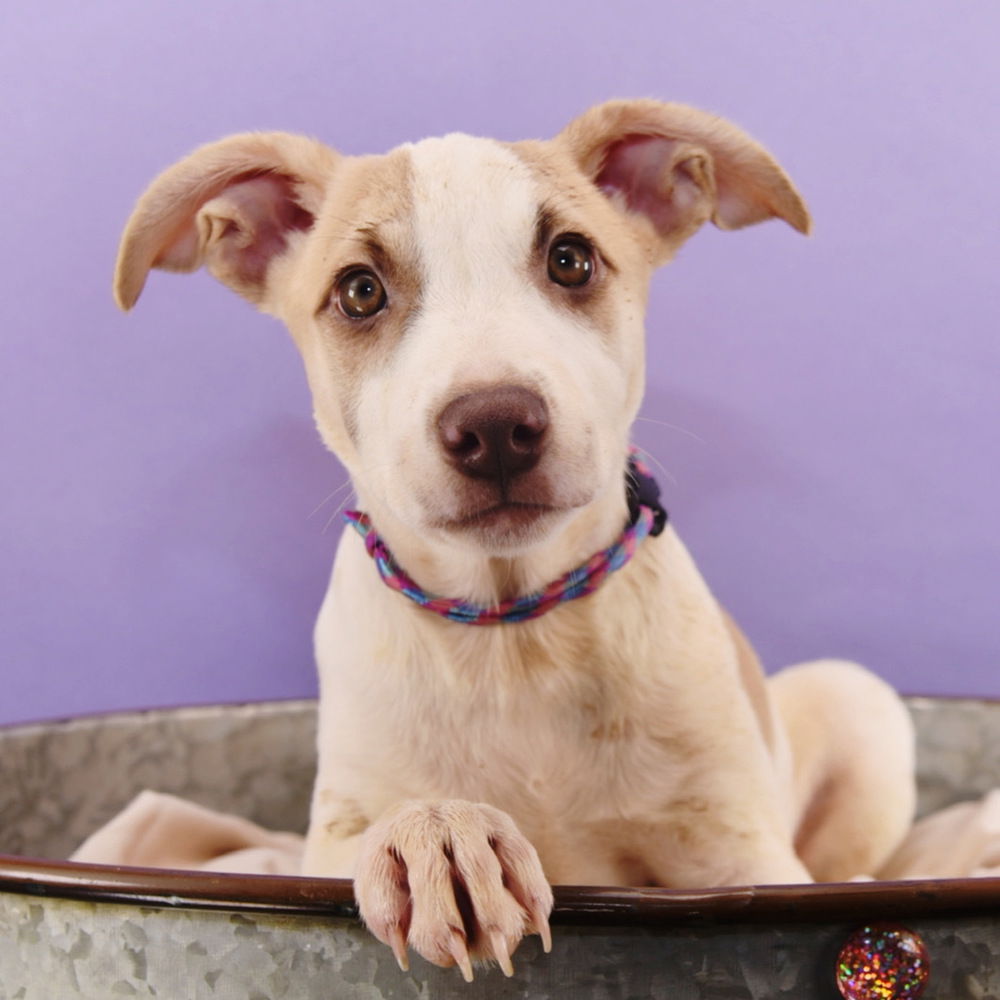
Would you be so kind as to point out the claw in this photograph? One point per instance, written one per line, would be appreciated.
(501, 952)
(398, 944)
(540, 919)
(460, 953)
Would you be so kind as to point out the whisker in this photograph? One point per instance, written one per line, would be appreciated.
(649, 456)
(343, 486)
(673, 427)
(340, 508)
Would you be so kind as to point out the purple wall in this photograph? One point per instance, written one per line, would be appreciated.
(827, 409)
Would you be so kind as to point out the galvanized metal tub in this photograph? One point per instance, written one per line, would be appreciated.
(98, 932)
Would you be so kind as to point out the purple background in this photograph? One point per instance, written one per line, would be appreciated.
(827, 408)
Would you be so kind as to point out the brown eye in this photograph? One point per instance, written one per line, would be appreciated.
(360, 294)
(571, 262)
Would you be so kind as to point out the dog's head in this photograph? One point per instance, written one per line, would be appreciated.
(470, 312)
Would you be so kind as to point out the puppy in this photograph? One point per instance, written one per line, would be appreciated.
(470, 315)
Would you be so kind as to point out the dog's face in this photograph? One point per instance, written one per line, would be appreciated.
(470, 313)
(473, 337)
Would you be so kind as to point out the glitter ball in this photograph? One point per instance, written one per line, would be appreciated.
(882, 962)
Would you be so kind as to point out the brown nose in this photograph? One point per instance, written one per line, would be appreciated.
(494, 433)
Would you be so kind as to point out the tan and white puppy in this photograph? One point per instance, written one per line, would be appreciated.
(470, 314)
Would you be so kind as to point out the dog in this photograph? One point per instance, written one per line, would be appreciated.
(471, 318)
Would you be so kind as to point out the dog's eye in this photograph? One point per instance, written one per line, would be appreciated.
(571, 261)
(360, 294)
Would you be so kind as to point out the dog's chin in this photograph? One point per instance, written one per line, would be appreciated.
(504, 527)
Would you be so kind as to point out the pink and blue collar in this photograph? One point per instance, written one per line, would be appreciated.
(646, 517)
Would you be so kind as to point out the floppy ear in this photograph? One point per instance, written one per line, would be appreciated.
(674, 167)
(231, 205)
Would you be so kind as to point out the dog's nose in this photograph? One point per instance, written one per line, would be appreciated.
(494, 433)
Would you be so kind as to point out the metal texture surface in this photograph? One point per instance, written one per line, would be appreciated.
(92, 931)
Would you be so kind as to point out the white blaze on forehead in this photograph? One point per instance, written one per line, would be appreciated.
(475, 209)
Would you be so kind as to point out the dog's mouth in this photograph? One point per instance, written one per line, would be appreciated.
(503, 524)
(509, 514)
(500, 517)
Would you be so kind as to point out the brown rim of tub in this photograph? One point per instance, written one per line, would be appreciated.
(165, 888)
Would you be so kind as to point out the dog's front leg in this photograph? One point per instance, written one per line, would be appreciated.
(455, 880)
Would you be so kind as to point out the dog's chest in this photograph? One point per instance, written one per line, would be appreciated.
(532, 727)
(584, 728)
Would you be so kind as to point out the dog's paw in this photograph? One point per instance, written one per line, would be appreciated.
(455, 881)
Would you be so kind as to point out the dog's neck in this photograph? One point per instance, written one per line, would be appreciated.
(591, 544)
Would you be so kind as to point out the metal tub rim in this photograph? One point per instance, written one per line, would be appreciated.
(575, 905)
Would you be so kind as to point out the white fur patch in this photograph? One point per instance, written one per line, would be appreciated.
(485, 319)
(475, 206)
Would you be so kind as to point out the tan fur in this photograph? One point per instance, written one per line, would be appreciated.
(752, 678)
(171, 227)
(628, 737)
(747, 183)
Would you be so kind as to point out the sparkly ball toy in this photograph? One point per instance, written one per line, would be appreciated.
(882, 962)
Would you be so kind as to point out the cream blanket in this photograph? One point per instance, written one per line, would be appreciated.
(163, 831)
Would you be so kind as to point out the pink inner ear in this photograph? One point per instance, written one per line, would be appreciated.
(254, 211)
(259, 212)
(641, 169)
(180, 253)
(237, 230)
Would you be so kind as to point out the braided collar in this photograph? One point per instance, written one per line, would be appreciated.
(646, 517)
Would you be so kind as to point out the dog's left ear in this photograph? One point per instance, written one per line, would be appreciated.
(673, 168)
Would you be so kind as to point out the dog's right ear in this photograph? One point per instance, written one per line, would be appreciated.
(231, 205)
